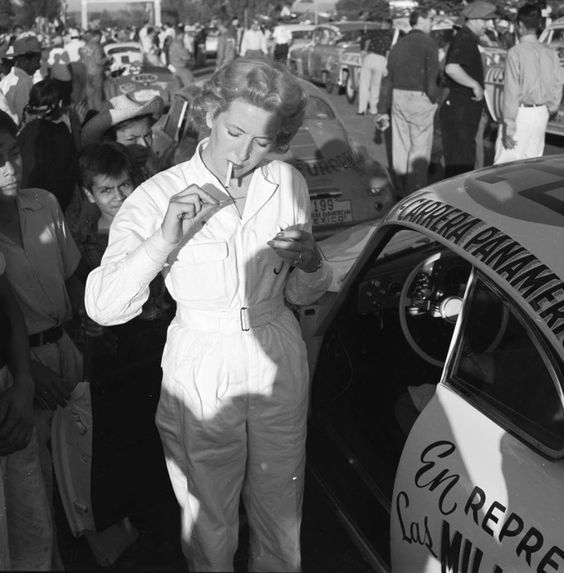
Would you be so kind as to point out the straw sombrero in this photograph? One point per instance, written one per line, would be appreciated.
(117, 109)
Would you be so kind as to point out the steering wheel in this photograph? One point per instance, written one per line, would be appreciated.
(430, 302)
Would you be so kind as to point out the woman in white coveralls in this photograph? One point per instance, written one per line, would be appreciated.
(231, 231)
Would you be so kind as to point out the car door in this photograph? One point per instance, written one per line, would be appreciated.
(436, 420)
(480, 483)
(383, 330)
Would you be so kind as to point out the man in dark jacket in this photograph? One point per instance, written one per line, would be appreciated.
(462, 109)
(410, 89)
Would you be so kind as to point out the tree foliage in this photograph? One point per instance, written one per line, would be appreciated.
(30, 9)
(444, 6)
(203, 11)
(359, 9)
(6, 15)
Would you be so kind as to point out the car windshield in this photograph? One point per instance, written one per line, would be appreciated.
(316, 108)
(558, 35)
(350, 36)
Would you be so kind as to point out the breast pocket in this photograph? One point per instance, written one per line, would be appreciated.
(200, 273)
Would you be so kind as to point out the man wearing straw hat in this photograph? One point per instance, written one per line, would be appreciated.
(130, 123)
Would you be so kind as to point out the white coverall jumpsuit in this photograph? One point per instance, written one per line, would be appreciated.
(233, 406)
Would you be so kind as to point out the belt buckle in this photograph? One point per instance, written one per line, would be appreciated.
(244, 318)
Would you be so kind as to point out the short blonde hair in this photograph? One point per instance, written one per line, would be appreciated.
(267, 85)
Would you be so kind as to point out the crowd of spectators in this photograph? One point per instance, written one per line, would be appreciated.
(69, 160)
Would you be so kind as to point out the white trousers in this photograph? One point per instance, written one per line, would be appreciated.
(232, 418)
(412, 138)
(530, 129)
(371, 74)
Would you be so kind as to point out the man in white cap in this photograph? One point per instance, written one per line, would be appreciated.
(461, 112)
(60, 70)
(532, 91)
(17, 84)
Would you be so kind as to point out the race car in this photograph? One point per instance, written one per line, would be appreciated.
(437, 405)
(346, 185)
(130, 73)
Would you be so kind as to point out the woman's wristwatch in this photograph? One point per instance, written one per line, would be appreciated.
(317, 266)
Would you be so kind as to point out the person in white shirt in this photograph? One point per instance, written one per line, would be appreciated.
(17, 84)
(253, 42)
(144, 37)
(78, 71)
(282, 38)
(231, 231)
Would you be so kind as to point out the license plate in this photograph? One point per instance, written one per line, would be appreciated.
(146, 95)
(330, 212)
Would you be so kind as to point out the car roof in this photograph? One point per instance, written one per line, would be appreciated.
(524, 200)
(351, 25)
(508, 220)
(298, 27)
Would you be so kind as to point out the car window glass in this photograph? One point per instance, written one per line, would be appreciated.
(350, 36)
(300, 35)
(316, 108)
(503, 369)
(557, 35)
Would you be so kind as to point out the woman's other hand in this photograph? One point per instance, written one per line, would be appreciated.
(298, 249)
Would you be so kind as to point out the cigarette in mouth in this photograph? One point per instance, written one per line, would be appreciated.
(228, 176)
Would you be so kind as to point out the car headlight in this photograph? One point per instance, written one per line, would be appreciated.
(384, 194)
(376, 191)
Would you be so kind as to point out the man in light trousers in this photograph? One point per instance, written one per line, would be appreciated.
(410, 90)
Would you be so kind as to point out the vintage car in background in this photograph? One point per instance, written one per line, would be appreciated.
(351, 58)
(318, 60)
(553, 35)
(346, 185)
(437, 405)
(129, 73)
(301, 34)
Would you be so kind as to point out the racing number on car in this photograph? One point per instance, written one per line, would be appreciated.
(322, 205)
(543, 194)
